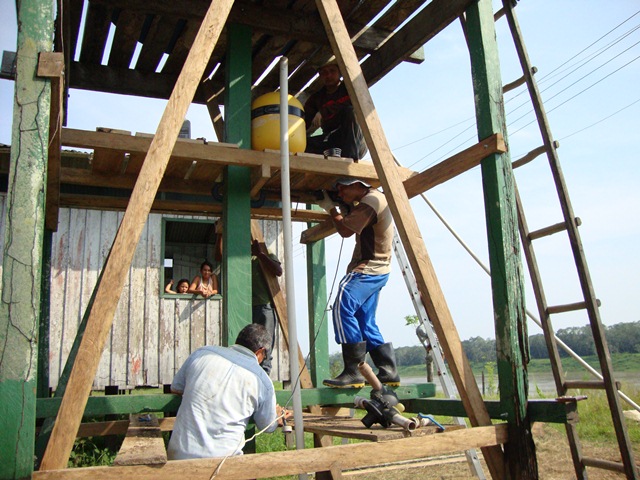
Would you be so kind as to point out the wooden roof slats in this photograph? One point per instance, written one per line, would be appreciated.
(156, 43)
(97, 23)
(180, 50)
(432, 19)
(293, 28)
(128, 29)
(74, 18)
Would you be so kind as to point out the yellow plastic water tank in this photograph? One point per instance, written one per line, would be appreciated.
(265, 123)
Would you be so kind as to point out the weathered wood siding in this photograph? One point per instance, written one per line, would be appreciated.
(152, 334)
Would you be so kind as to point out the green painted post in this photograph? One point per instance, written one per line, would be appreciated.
(504, 245)
(236, 267)
(318, 316)
(22, 254)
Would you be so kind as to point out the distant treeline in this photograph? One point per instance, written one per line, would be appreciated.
(621, 338)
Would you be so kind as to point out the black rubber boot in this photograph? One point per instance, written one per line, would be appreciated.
(352, 354)
(384, 358)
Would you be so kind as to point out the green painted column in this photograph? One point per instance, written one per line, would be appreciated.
(22, 254)
(236, 266)
(504, 244)
(319, 318)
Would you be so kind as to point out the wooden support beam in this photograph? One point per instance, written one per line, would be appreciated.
(223, 154)
(419, 30)
(453, 166)
(280, 305)
(507, 283)
(293, 462)
(143, 444)
(116, 269)
(405, 220)
(259, 176)
(185, 207)
(429, 178)
(51, 65)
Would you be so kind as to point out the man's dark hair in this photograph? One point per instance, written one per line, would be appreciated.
(254, 336)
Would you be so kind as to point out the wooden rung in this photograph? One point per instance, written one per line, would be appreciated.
(558, 227)
(569, 307)
(587, 384)
(546, 231)
(604, 464)
(143, 444)
(533, 154)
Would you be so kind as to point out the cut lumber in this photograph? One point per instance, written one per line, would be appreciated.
(143, 444)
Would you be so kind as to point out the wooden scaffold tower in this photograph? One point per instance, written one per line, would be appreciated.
(215, 51)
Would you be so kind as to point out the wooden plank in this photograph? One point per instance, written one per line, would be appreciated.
(73, 286)
(419, 30)
(93, 261)
(125, 39)
(166, 335)
(120, 329)
(259, 177)
(108, 229)
(455, 165)
(213, 322)
(345, 427)
(56, 118)
(507, 282)
(182, 330)
(408, 230)
(429, 178)
(221, 154)
(136, 311)
(187, 207)
(155, 263)
(101, 317)
(197, 324)
(156, 42)
(96, 30)
(118, 427)
(59, 268)
(280, 306)
(143, 444)
(293, 462)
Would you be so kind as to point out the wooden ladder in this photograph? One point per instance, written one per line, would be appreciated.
(569, 225)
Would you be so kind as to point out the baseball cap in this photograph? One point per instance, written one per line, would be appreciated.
(349, 181)
(333, 61)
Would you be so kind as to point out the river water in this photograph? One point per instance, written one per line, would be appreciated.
(542, 384)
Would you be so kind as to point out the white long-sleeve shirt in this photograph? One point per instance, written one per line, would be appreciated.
(222, 389)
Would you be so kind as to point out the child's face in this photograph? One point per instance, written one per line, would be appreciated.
(183, 287)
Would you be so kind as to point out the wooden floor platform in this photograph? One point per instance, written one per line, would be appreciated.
(347, 427)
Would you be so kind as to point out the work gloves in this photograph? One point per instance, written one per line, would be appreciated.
(326, 203)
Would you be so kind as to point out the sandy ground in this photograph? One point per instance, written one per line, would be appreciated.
(554, 462)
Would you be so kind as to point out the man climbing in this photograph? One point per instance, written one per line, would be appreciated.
(354, 312)
(330, 110)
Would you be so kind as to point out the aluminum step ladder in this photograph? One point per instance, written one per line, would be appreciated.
(447, 384)
(589, 302)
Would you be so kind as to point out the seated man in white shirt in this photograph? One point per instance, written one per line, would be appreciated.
(222, 388)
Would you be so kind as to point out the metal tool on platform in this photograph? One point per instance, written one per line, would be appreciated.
(383, 406)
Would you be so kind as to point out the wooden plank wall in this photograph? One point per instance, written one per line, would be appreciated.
(3, 204)
(151, 335)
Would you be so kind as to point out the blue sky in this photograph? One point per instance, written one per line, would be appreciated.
(588, 72)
